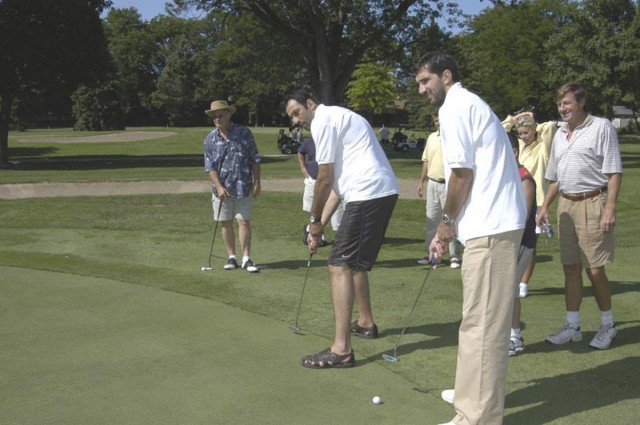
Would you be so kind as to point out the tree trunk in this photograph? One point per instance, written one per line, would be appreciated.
(5, 112)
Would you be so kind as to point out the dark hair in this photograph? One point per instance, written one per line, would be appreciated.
(299, 96)
(437, 63)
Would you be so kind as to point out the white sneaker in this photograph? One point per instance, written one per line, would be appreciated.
(455, 263)
(603, 337)
(447, 395)
(250, 266)
(516, 345)
(232, 264)
(424, 261)
(524, 290)
(566, 334)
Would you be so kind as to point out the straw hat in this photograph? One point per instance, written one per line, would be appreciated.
(217, 105)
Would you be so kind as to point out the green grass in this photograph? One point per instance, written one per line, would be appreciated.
(162, 240)
(177, 157)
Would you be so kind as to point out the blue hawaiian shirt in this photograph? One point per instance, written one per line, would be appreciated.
(232, 159)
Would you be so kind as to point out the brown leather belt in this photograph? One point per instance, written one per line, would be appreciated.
(437, 180)
(584, 195)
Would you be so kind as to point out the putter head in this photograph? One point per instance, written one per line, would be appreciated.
(390, 358)
(206, 269)
(294, 328)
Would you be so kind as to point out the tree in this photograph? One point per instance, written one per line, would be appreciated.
(502, 53)
(333, 36)
(47, 44)
(598, 46)
(256, 90)
(98, 108)
(180, 92)
(135, 57)
(373, 87)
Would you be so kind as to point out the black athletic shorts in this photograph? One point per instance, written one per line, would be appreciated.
(361, 232)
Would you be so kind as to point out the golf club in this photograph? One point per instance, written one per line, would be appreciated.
(208, 268)
(394, 358)
(295, 328)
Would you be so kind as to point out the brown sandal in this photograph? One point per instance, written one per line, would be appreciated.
(328, 359)
(362, 332)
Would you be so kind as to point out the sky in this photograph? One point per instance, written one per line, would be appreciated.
(149, 9)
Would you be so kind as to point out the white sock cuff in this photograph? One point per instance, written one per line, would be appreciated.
(606, 317)
(573, 318)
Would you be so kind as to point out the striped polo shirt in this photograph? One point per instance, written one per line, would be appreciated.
(580, 164)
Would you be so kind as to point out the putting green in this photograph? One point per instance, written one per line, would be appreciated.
(82, 350)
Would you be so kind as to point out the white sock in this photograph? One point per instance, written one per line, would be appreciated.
(232, 256)
(606, 318)
(515, 333)
(573, 318)
(245, 258)
(523, 283)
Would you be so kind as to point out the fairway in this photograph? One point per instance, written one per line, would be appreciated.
(82, 350)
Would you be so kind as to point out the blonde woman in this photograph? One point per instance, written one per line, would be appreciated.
(535, 146)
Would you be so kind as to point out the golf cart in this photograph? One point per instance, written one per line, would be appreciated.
(409, 143)
(286, 144)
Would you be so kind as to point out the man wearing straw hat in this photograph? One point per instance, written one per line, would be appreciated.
(232, 161)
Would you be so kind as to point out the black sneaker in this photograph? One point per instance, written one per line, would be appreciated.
(250, 266)
(232, 264)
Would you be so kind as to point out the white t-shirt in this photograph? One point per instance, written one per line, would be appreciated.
(346, 140)
(473, 137)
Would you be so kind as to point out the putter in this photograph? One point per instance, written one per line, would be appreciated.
(394, 358)
(208, 267)
(295, 328)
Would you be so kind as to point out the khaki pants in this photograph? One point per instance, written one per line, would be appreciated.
(488, 273)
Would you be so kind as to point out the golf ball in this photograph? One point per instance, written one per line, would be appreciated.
(203, 268)
(377, 400)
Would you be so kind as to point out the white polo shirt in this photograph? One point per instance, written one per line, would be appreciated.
(346, 140)
(473, 138)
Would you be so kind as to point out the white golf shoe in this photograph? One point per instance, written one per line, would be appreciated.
(604, 337)
(566, 334)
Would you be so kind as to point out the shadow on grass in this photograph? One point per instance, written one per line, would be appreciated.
(440, 335)
(107, 162)
(564, 395)
(294, 264)
(617, 288)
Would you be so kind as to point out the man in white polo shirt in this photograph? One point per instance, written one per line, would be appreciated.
(352, 163)
(486, 210)
(585, 168)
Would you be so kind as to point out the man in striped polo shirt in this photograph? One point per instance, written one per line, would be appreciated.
(585, 168)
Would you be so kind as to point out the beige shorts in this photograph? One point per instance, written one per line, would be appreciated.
(240, 208)
(582, 241)
(307, 196)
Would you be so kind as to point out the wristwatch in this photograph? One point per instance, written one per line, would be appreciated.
(314, 219)
(448, 220)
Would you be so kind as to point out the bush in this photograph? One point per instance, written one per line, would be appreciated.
(98, 108)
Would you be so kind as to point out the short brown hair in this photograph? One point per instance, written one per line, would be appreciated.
(576, 88)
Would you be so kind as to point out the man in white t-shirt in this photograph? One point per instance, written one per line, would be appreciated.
(485, 210)
(353, 164)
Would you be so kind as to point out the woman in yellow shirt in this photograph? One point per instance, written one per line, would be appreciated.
(535, 146)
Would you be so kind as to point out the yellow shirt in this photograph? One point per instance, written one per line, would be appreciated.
(432, 154)
(535, 157)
